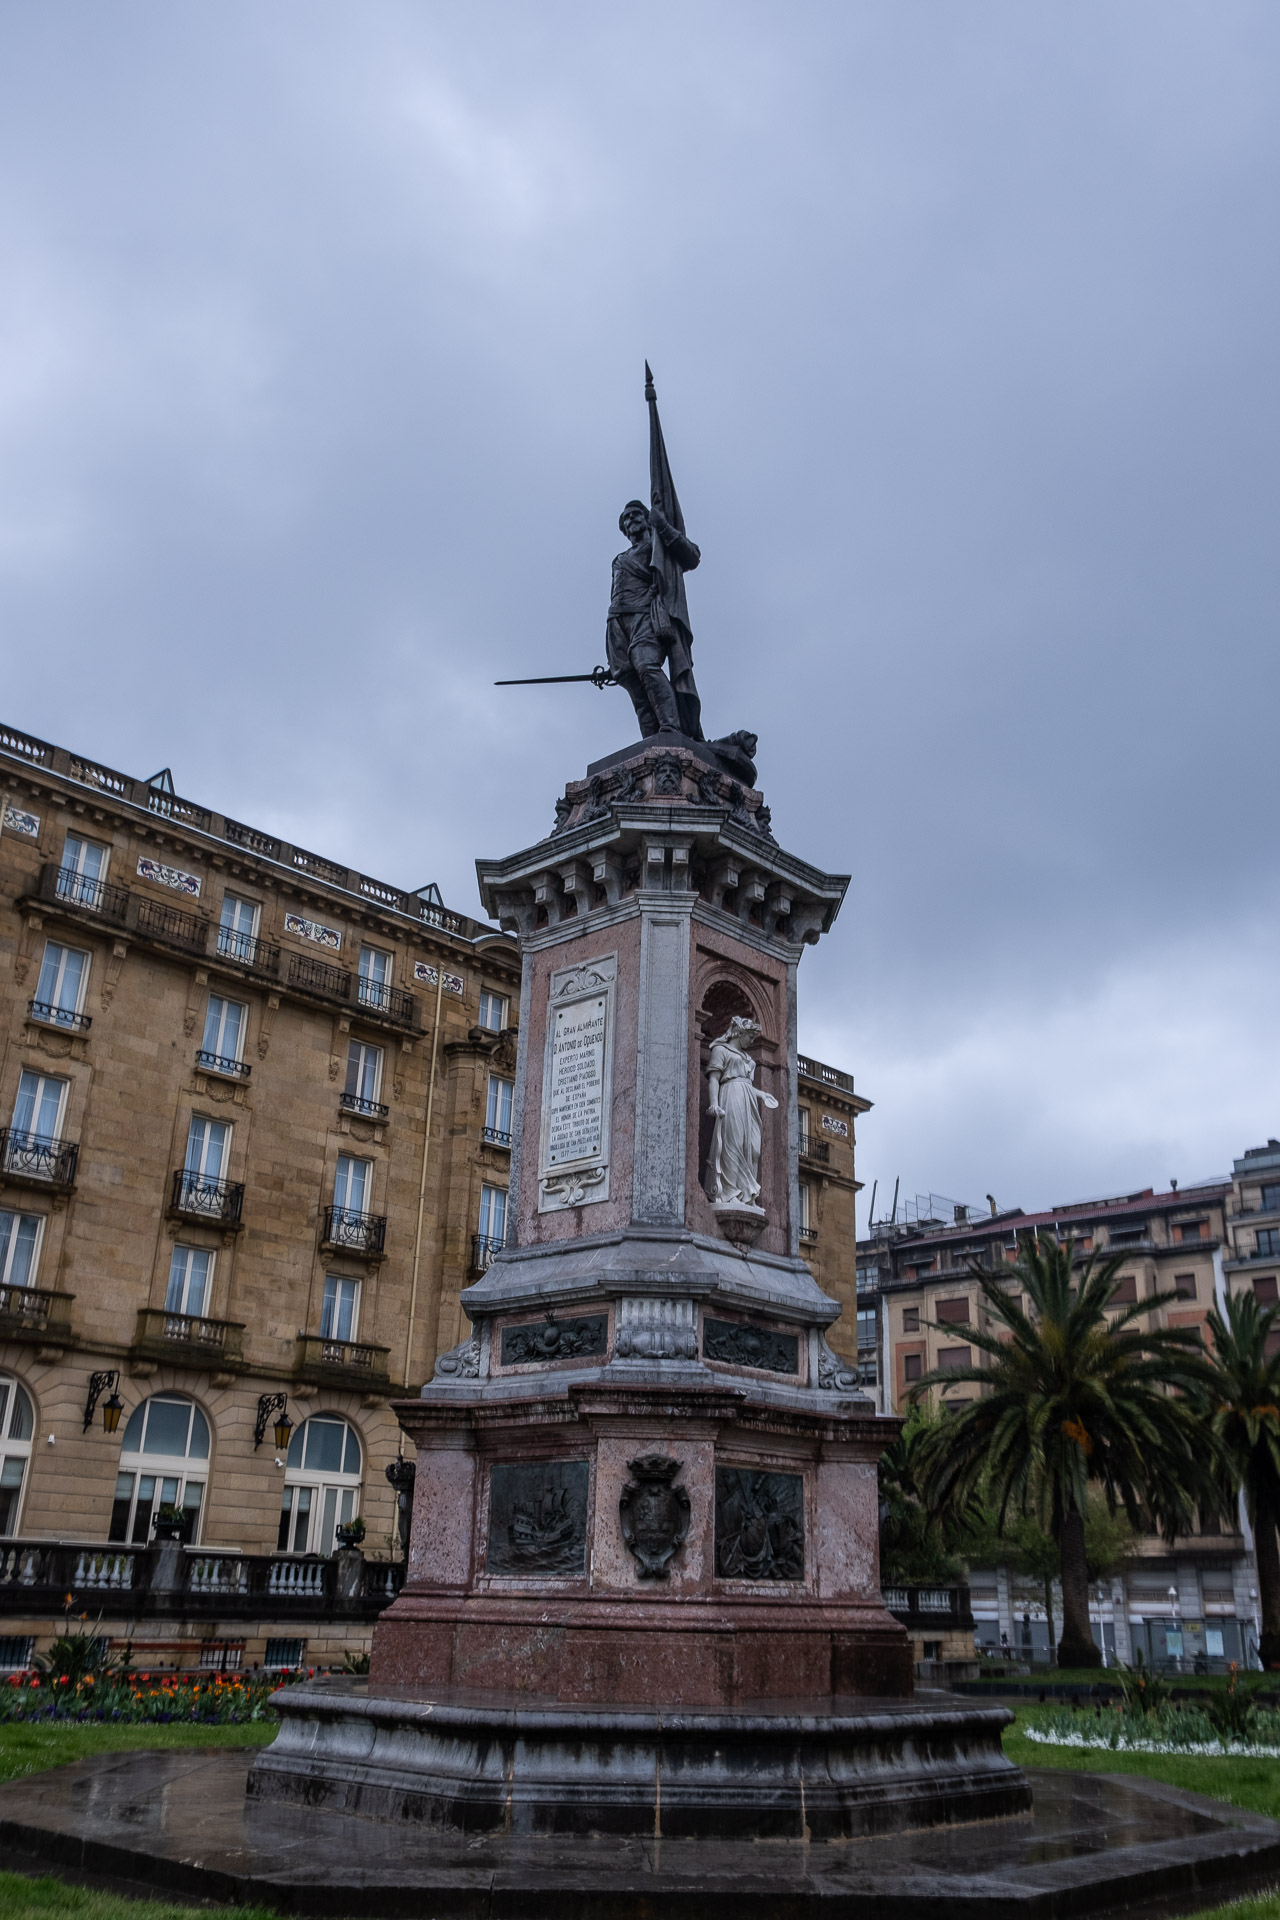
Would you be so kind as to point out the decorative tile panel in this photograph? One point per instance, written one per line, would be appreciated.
(839, 1127)
(430, 975)
(188, 883)
(312, 930)
(16, 821)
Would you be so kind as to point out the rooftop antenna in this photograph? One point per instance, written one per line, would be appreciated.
(893, 1216)
(871, 1210)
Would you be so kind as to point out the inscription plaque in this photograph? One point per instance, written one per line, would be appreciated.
(759, 1525)
(738, 1345)
(538, 1517)
(575, 1105)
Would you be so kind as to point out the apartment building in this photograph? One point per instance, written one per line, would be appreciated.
(829, 1109)
(255, 1125)
(1194, 1603)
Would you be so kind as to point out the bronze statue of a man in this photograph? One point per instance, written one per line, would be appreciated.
(644, 632)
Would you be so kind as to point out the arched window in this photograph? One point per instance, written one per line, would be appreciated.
(17, 1423)
(164, 1462)
(321, 1484)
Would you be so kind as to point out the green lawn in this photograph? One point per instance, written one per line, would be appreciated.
(50, 1899)
(34, 1748)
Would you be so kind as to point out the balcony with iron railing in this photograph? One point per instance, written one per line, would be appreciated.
(223, 1063)
(34, 1158)
(189, 1338)
(207, 1583)
(817, 1150)
(496, 1136)
(47, 1014)
(350, 1231)
(367, 1109)
(386, 1002)
(196, 1197)
(37, 1314)
(317, 976)
(245, 950)
(808, 1236)
(483, 1248)
(63, 887)
(172, 926)
(350, 1363)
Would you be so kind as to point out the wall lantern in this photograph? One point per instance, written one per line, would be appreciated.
(112, 1407)
(277, 1404)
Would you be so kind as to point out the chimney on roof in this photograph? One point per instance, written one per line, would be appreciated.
(960, 1214)
(991, 1202)
(1173, 1185)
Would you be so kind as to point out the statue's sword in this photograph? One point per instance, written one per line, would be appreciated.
(598, 676)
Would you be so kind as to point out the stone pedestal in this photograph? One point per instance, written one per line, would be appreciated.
(645, 1483)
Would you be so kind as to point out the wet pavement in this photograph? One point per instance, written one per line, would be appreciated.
(178, 1823)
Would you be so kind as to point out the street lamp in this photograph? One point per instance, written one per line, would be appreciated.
(277, 1404)
(99, 1383)
(1173, 1608)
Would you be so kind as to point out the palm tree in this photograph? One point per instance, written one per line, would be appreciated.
(1240, 1399)
(1069, 1398)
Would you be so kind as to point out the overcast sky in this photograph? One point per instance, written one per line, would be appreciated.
(322, 331)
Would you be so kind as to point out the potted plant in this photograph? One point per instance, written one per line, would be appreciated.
(170, 1523)
(350, 1533)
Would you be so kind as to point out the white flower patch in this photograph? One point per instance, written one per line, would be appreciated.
(1126, 1743)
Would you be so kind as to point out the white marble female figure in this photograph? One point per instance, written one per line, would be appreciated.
(735, 1107)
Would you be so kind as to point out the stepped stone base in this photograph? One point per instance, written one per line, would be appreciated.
(828, 1770)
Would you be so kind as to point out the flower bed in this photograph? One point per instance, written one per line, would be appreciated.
(192, 1699)
(1167, 1729)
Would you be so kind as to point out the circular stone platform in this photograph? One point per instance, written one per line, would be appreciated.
(179, 1823)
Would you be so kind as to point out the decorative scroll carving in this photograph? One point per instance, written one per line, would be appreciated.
(570, 1189)
(538, 1518)
(759, 1525)
(463, 1361)
(739, 1345)
(834, 1374)
(586, 979)
(654, 1513)
(650, 1329)
(554, 1339)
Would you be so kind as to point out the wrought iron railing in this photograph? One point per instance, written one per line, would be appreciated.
(496, 1136)
(248, 951)
(811, 1149)
(205, 1199)
(362, 1232)
(808, 1233)
(483, 1248)
(391, 1001)
(315, 976)
(50, 1015)
(74, 889)
(223, 1063)
(35, 1157)
(354, 1103)
(173, 925)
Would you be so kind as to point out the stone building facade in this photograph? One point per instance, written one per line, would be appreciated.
(255, 1116)
(1195, 1602)
(829, 1110)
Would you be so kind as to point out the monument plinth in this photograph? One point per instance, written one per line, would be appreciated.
(643, 1582)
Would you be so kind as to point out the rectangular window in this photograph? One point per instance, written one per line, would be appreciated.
(953, 1312)
(374, 981)
(1191, 1230)
(207, 1143)
(64, 972)
(364, 1075)
(493, 1215)
(238, 927)
(911, 1319)
(190, 1276)
(1126, 1291)
(911, 1367)
(806, 1135)
(1184, 1285)
(37, 1111)
(951, 1359)
(16, 1650)
(497, 1120)
(806, 1207)
(493, 1011)
(19, 1248)
(285, 1654)
(339, 1316)
(1270, 1198)
(1131, 1231)
(295, 1520)
(353, 1184)
(224, 1031)
(866, 1327)
(1264, 1290)
(1268, 1240)
(83, 871)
